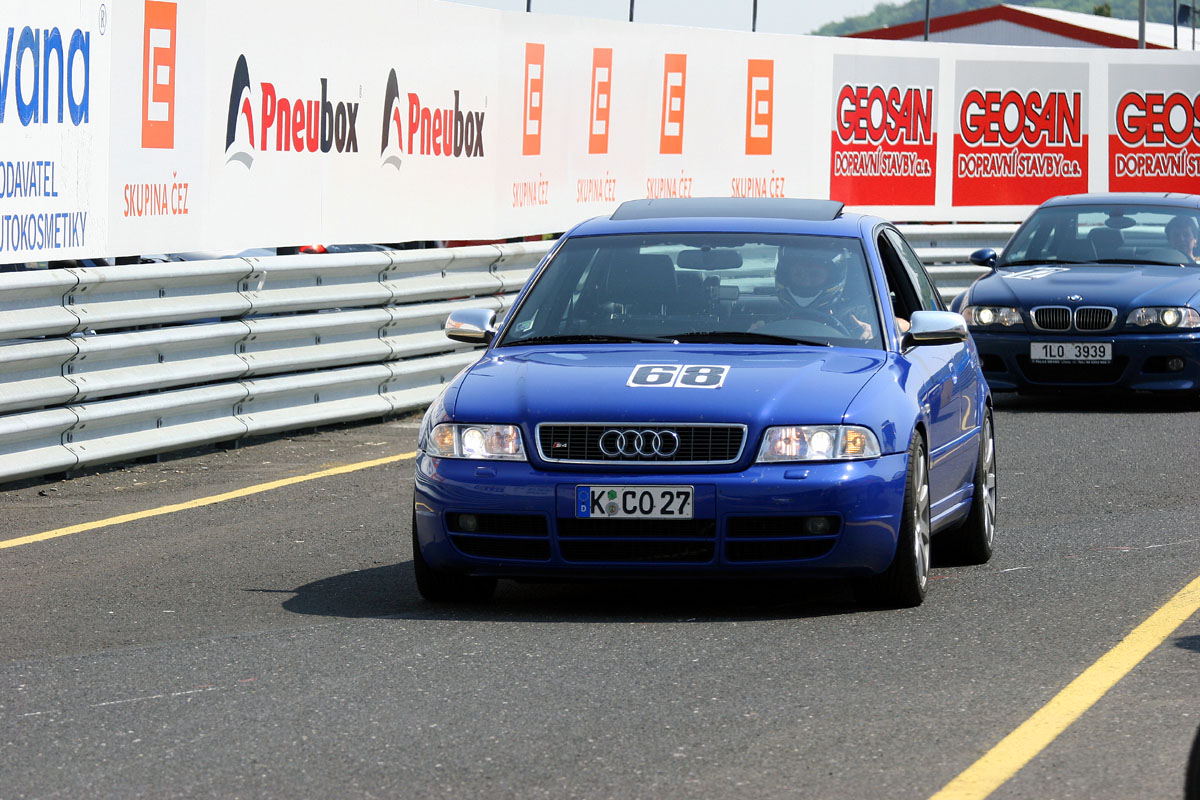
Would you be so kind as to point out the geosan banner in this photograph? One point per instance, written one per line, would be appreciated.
(884, 145)
(1020, 133)
(1154, 128)
(222, 125)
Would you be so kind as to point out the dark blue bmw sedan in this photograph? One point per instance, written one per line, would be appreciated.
(706, 388)
(1094, 291)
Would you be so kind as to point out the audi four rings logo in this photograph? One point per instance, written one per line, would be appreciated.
(630, 443)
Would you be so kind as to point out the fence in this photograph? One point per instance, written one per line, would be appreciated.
(109, 363)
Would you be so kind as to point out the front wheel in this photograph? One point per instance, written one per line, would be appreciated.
(904, 583)
(440, 586)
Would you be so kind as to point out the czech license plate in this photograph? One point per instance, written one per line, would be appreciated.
(633, 502)
(1070, 352)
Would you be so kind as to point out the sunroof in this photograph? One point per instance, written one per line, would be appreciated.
(774, 208)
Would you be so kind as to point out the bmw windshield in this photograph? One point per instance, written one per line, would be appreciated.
(702, 287)
(1105, 234)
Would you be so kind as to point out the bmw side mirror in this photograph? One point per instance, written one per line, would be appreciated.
(928, 328)
(471, 325)
(984, 257)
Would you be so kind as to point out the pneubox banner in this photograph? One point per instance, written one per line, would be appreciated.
(159, 126)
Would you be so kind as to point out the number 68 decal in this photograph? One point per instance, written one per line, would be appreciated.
(679, 376)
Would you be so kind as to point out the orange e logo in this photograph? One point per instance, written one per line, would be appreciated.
(158, 75)
(601, 91)
(760, 106)
(535, 63)
(674, 88)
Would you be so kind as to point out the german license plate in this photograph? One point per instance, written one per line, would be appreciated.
(633, 502)
(1070, 352)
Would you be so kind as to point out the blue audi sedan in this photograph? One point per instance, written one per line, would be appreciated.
(1093, 292)
(711, 387)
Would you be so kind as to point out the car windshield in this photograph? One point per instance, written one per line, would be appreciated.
(702, 287)
(1105, 234)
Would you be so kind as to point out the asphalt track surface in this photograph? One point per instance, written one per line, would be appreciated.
(271, 644)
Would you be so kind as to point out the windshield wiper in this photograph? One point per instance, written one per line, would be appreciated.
(743, 336)
(1037, 262)
(588, 338)
(1144, 262)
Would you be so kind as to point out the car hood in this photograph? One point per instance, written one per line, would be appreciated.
(763, 385)
(1121, 287)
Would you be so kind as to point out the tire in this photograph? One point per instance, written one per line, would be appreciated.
(906, 580)
(440, 586)
(975, 539)
(1191, 786)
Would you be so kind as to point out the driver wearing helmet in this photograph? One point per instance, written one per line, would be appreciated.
(812, 280)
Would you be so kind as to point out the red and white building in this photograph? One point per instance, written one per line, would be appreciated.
(1035, 27)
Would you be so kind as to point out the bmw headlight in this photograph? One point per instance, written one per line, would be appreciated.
(452, 440)
(1176, 317)
(818, 443)
(992, 316)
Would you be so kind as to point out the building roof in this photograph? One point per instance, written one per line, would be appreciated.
(1007, 24)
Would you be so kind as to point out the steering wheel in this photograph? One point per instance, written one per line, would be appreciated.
(822, 317)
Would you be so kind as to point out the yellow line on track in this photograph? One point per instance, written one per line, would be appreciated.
(1020, 747)
(204, 501)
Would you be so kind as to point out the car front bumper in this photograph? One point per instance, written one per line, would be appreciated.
(744, 523)
(1140, 362)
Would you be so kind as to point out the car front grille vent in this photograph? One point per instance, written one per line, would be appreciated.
(663, 443)
(1052, 318)
(1084, 318)
(1095, 318)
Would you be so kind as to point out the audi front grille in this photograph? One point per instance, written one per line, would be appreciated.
(641, 443)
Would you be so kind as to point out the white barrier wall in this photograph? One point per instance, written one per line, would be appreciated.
(145, 126)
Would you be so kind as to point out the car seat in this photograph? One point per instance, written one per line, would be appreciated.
(1077, 250)
(1106, 241)
(643, 284)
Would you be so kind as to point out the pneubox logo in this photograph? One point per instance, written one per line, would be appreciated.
(449, 131)
(299, 124)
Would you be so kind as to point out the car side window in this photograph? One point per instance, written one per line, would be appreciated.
(915, 272)
(900, 291)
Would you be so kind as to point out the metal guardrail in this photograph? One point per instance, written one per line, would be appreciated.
(112, 363)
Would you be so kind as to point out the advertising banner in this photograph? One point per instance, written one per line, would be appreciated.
(1021, 135)
(54, 135)
(884, 131)
(158, 187)
(161, 126)
(1154, 128)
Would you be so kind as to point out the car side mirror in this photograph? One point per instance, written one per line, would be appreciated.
(983, 257)
(471, 325)
(934, 328)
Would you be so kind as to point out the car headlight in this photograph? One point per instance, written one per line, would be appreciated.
(988, 316)
(1167, 317)
(818, 443)
(452, 440)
